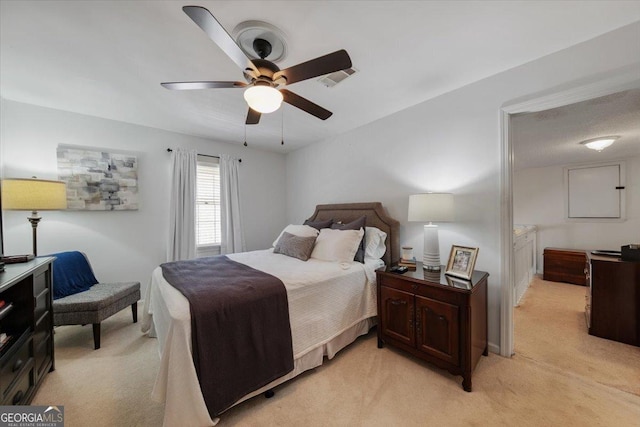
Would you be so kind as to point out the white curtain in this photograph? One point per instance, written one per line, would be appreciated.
(231, 227)
(182, 211)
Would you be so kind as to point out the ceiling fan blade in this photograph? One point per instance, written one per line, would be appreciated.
(322, 65)
(253, 117)
(216, 32)
(305, 105)
(201, 85)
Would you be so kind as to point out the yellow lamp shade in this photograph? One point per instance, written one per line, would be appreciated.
(25, 194)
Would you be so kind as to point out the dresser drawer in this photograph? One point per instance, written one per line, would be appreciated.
(21, 389)
(42, 329)
(40, 281)
(42, 355)
(13, 365)
(43, 304)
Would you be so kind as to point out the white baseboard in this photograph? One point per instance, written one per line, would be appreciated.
(494, 348)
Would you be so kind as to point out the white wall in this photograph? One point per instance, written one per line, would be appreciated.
(125, 245)
(450, 143)
(538, 198)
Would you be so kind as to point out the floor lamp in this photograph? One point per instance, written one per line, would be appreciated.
(30, 194)
(431, 207)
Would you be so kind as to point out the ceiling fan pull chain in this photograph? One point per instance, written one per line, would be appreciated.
(282, 128)
(245, 134)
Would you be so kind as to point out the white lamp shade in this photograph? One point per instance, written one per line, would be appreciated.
(263, 99)
(23, 194)
(431, 207)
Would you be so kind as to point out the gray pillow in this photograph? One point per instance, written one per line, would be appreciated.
(295, 246)
(318, 225)
(354, 225)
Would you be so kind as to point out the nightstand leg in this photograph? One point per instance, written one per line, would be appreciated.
(380, 343)
(466, 382)
(486, 351)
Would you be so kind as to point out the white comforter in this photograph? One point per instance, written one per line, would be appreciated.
(329, 304)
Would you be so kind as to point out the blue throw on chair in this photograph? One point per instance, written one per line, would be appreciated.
(71, 274)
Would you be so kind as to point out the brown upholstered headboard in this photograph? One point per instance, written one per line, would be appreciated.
(376, 217)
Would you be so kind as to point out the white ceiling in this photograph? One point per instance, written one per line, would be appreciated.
(107, 58)
(552, 137)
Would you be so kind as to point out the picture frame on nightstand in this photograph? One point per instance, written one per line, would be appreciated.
(462, 260)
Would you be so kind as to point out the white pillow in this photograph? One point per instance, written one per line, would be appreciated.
(297, 230)
(337, 245)
(374, 243)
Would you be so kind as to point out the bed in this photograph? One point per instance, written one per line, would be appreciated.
(330, 304)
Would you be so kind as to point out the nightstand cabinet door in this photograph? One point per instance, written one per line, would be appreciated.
(397, 315)
(438, 329)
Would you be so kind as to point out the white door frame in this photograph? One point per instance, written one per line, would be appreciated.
(616, 82)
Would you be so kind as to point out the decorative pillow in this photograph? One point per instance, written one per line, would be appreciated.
(319, 225)
(337, 245)
(374, 238)
(295, 246)
(354, 225)
(298, 230)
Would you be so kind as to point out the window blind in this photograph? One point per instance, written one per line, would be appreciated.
(208, 202)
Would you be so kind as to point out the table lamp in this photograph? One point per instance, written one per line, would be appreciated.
(30, 194)
(431, 207)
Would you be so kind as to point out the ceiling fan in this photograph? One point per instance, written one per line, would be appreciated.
(265, 81)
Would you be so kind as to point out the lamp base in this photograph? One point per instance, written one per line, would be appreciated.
(34, 219)
(431, 253)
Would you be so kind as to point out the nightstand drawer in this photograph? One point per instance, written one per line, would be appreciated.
(391, 281)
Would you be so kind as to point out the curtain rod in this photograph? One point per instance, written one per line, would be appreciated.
(169, 150)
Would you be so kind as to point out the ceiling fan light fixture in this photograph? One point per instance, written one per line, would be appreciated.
(599, 144)
(264, 99)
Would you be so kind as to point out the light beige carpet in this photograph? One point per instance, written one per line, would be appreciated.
(550, 329)
(361, 386)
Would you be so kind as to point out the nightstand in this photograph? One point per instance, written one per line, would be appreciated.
(437, 318)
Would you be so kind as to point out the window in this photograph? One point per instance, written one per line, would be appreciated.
(208, 235)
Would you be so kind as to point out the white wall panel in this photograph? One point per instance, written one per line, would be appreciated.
(448, 144)
(126, 245)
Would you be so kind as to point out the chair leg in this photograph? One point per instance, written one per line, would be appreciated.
(96, 336)
(134, 312)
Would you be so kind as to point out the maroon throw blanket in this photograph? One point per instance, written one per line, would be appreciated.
(239, 326)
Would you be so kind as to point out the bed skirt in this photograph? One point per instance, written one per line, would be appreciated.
(196, 414)
(314, 358)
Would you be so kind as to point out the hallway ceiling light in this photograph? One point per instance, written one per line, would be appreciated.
(599, 144)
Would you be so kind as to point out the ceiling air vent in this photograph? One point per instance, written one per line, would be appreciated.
(330, 80)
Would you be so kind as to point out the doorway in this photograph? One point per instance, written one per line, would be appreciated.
(617, 83)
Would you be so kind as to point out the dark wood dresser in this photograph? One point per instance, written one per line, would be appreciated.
(613, 299)
(565, 265)
(439, 319)
(26, 319)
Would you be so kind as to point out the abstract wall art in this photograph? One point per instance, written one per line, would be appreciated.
(98, 180)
